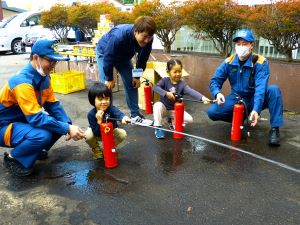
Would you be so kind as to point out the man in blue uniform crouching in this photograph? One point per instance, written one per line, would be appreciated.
(31, 118)
(248, 75)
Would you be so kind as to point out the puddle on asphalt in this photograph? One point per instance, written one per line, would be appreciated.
(84, 177)
(95, 180)
(197, 145)
(172, 157)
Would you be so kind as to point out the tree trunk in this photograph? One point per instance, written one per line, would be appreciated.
(167, 48)
(288, 55)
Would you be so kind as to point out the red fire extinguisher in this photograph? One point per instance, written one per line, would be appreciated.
(237, 121)
(148, 97)
(178, 119)
(110, 154)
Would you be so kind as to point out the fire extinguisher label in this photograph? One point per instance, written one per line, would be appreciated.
(106, 130)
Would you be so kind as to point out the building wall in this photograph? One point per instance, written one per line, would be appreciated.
(186, 41)
(201, 67)
(7, 14)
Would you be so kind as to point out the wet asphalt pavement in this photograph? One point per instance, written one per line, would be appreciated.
(188, 181)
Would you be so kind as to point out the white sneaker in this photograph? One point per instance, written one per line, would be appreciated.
(141, 121)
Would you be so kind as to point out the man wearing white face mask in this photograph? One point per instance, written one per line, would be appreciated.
(24, 126)
(248, 75)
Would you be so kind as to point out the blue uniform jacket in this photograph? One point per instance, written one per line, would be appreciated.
(119, 45)
(239, 79)
(111, 111)
(26, 97)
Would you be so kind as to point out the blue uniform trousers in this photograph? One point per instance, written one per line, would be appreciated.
(125, 70)
(28, 142)
(272, 101)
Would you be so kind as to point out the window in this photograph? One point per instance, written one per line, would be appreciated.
(4, 22)
(266, 50)
(261, 49)
(33, 20)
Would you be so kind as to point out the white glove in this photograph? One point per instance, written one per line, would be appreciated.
(253, 118)
(220, 99)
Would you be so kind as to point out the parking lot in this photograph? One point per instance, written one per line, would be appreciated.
(190, 181)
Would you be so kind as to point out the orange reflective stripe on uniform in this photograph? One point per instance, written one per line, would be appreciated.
(230, 59)
(6, 97)
(7, 135)
(48, 95)
(26, 98)
(260, 59)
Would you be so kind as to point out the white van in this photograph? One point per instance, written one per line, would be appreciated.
(11, 33)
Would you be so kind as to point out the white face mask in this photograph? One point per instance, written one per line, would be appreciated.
(39, 69)
(242, 51)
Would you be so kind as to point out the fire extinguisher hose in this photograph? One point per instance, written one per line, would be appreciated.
(279, 164)
(229, 147)
(180, 97)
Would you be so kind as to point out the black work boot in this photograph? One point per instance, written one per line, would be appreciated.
(274, 137)
(15, 167)
(43, 155)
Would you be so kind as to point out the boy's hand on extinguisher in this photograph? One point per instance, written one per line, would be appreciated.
(220, 99)
(170, 96)
(99, 116)
(253, 118)
(126, 120)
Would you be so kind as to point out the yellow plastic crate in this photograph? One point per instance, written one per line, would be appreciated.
(67, 81)
(91, 50)
(84, 49)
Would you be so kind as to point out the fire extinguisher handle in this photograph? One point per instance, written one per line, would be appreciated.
(108, 118)
(147, 81)
(178, 97)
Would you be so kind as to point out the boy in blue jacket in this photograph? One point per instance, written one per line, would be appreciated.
(100, 97)
(116, 49)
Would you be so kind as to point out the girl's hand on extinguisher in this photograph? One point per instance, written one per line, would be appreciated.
(253, 118)
(205, 100)
(99, 116)
(170, 96)
(126, 120)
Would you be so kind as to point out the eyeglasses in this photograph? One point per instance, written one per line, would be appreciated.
(51, 61)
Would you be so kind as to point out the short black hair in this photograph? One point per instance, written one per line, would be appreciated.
(173, 62)
(98, 90)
